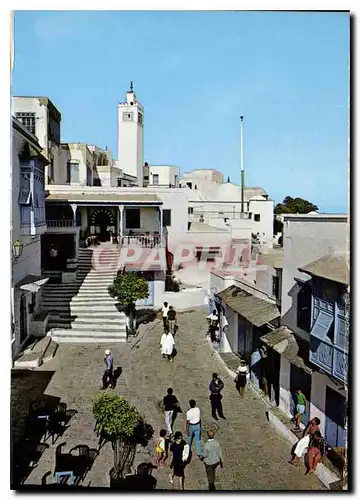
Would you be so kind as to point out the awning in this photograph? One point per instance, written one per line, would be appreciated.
(257, 311)
(32, 283)
(334, 267)
(283, 341)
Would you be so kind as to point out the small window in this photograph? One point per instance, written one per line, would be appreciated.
(96, 181)
(28, 121)
(25, 196)
(132, 218)
(304, 307)
(257, 217)
(190, 210)
(73, 171)
(322, 326)
(119, 183)
(156, 179)
(51, 171)
(127, 117)
(189, 185)
(140, 119)
(166, 218)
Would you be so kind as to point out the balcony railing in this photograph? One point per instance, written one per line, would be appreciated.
(143, 241)
(60, 223)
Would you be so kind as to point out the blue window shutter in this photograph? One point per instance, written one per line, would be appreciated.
(322, 325)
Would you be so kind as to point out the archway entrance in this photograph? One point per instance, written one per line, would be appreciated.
(104, 222)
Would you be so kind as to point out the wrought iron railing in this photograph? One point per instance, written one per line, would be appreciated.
(60, 223)
(143, 241)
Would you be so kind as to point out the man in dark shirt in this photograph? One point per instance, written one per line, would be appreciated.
(215, 387)
(108, 376)
(170, 404)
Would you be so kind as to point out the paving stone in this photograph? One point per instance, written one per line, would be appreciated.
(255, 457)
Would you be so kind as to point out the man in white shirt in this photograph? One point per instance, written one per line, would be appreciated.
(213, 320)
(193, 426)
(165, 310)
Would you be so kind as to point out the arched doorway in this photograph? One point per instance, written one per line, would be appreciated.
(104, 221)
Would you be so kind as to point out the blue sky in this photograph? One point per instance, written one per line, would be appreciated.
(196, 73)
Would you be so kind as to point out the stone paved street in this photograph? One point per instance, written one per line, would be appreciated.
(255, 457)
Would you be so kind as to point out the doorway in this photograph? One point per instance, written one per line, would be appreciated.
(335, 411)
(104, 222)
(299, 379)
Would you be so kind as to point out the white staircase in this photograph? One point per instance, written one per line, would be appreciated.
(83, 311)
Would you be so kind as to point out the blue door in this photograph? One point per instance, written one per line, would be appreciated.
(150, 300)
(335, 410)
(299, 379)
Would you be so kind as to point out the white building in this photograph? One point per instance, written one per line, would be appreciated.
(28, 224)
(164, 176)
(42, 119)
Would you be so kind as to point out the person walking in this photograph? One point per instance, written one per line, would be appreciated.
(177, 463)
(300, 408)
(172, 320)
(213, 321)
(107, 380)
(242, 374)
(170, 404)
(160, 448)
(164, 312)
(212, 458)
(215, 387)
(167, 345)
(193, 426)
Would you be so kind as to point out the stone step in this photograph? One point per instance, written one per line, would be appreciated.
(89, 314)
(114, 322)
(82, 336)
(101, 330)
(78, 299)
(74, 307)
(70, 295)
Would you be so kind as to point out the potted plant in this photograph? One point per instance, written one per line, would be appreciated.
(120, 423)
(127, 288)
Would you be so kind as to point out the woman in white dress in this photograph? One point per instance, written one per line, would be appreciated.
(167, 343)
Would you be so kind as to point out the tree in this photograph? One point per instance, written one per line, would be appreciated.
(127, 288)
(295, 206)
(122, 424)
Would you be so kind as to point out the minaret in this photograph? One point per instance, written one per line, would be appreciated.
(130, 136)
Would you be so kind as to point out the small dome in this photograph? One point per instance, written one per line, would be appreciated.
(313, 213)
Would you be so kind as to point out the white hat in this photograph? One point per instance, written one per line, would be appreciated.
(107, 352)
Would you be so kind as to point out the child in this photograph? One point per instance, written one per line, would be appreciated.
(160, 447)
(300, 408)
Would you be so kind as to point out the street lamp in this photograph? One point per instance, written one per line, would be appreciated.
(17, 249)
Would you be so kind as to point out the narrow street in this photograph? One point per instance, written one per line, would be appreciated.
(255, 457)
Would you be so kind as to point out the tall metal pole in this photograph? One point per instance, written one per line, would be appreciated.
(242, 163)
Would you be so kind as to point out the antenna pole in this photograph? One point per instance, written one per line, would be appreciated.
(242, 163)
